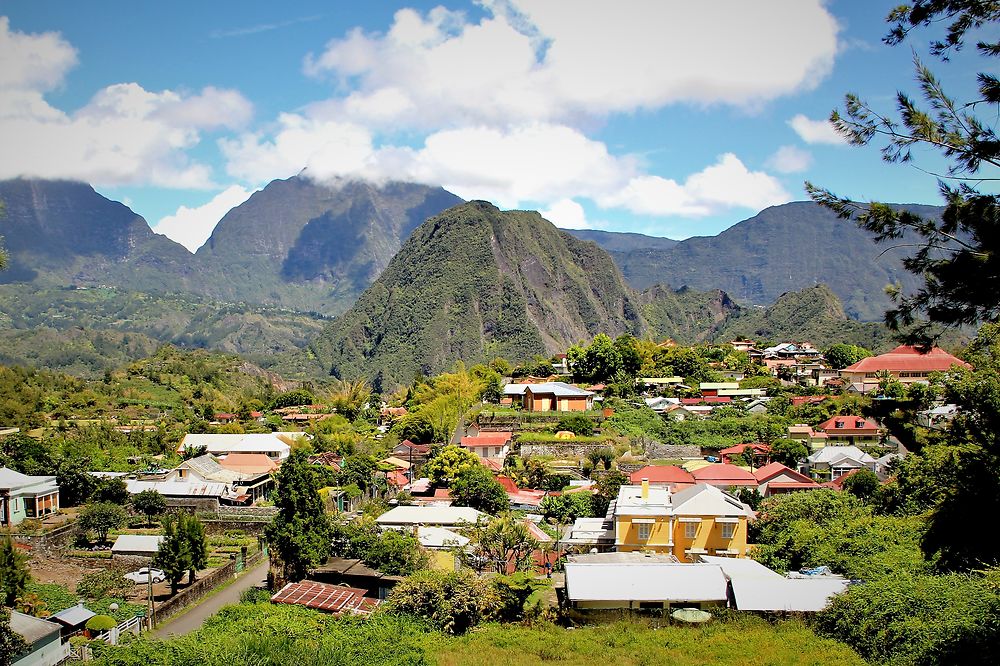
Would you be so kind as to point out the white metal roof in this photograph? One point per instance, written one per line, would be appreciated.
(739, 567)
(137, 543)
(430, 515)
(514, 389)
(74, 615)
(755, 593)
(439, 537)
(652, 581)
(22, 483)
(831, 454)
(241, 443)
(558, 388)
(703, 499)
(631, 503)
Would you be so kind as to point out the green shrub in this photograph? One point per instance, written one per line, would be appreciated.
(577, 424)
(101, 623)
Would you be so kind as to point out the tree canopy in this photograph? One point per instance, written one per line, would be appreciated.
(956, 255)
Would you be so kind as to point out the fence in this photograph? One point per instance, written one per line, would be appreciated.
(203, 586)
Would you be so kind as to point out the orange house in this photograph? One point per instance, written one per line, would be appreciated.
(557, 397)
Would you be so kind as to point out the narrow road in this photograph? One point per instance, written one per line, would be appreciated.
(192, 618)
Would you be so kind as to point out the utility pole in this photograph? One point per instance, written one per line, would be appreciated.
(149, 593)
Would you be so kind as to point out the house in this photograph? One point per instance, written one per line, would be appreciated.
(328, 598)
(136, 545)
(791, 350)
(712, 388)
(641, 581)
(188, 495)
(412, 453)
(684, 412)
(660, 405)
(495, 445)
(45, 646)
(440, 538)
(758, 406)
(814, 439)
(275, 445)
(671, 477)
(723, 475)
(690, 522)
(855, 430)
(521, 499)
(388, 415)
(513, 395)
(557, 397)
(326, 459)
(355, 573)
(659, 383)
(741, 344)
(937, 417)
(905, 363)
(883, 465)
(23, 496)
(446, 516)
(836, 461)
(761, 453)
(775, 479)
(248, 476)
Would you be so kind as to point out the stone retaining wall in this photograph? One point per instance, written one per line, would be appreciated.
(49, 543)
(657, 450)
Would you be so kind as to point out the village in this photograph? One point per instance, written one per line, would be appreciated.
(601, 518)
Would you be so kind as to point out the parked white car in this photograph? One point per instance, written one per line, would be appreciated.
(144, 574)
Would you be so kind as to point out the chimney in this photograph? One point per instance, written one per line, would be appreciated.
(645, 488)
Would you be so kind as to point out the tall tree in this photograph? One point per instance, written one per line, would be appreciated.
(174, 555)
(194, 533)
(101, 518)
(14, 574)
(300, 533)
(477, 488)
(149, 503)
(956, 256)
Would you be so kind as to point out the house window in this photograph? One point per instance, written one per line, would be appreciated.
(838, 424)
(644, 531)
(728, 529)
(690, 530)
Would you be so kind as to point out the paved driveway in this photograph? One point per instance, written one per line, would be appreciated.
(192, 618)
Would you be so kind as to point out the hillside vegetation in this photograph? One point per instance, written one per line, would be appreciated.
(471, 284)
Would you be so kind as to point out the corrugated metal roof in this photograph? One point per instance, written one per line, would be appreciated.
(324, 597)
(754, 593)
(559, 389)
(73, 616)
(32, 629)
(178, 488)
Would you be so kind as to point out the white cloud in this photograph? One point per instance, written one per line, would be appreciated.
(562, 61)
(566, 214)
(191, 227)
(123, 135)
(815, 131)
(790, 159)
(33, 62)
(725, 184)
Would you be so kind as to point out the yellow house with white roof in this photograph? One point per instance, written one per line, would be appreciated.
(699, 520)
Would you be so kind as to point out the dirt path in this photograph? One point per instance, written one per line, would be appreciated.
(191, 619)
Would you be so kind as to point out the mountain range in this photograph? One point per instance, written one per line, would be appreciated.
(405, 269)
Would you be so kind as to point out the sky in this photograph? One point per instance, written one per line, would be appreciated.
(665, 117)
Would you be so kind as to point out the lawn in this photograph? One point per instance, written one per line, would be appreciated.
(747, 641)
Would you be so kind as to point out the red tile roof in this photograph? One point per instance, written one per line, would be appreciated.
(670, 474)
(797, 400)
(417, 448)
(740, 448)
(793, 485)
(722, 473)
(492, 464)
(908, 358)
(777, 469)
(324, 597)
(850, 426)
(249, 463)
(487, 439)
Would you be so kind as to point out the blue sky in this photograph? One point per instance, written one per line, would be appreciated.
(668, 118)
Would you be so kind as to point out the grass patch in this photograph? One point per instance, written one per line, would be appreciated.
(746, 641)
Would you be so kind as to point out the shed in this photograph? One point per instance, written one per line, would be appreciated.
(44, 639)
(136, 545)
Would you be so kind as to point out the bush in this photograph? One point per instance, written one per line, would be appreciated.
(577, 424)
(918, 619)
(104, 583)
(101, 623)
(454, 602)
(255, 595)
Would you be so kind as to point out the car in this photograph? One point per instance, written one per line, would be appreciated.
(143, 575)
